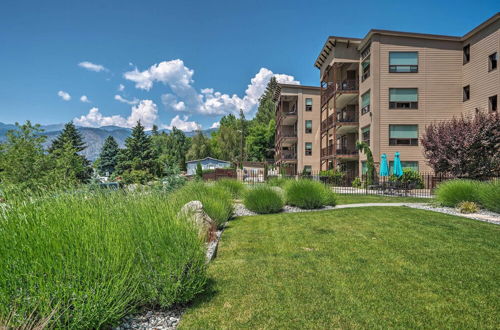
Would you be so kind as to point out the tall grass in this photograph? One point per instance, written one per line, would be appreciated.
(489, 195)
(235, 187)
(308, 194)
(216, 200)
(452, 192)
(86, 260)
(263, 199)
(278, 181)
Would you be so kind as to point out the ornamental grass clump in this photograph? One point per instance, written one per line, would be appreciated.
(85, 260)
(263, 199)
(489, 195)
(233, 186)
(217, 201)
(452, 192)
(308, 194)
(467, 207)
(277, 181)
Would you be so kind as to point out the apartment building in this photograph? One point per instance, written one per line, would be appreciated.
(297, 128)
(386, 88)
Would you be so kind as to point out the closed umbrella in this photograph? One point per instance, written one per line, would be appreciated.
(398, 168)
(384, 167)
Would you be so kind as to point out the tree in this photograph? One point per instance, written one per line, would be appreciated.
(138, 155)
(267, 105)
(23, 161)
(108, 156)
(464, 147)
(199, 171)
(68, 165)
(370, 165)
(70, 138)
(200, 147)
(260, 141)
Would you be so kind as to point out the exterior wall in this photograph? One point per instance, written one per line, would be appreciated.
(483, 84)
(206, 164)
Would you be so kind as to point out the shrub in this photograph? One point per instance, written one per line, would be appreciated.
(332, 176)
(467, 207)
(277, 182)
(308, 194)
(263, 199)
(489, 195)
(356, 183)
(93, 258)
(234, 187)
(217, 201)
(409, 177)
(450, 193)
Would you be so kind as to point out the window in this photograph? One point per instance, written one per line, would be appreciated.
(365, 134)
(403, 135)
(403, 62)
(412, 165)
(403, 98)
(492, 101)
(466, 93)
(466, 54)
(307, 169)
(366, 51)
(493, 61)
(365, 69)
(309, 126)
(365, 103)
(309, 148)
(309, 104)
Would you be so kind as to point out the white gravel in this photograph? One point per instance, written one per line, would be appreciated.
(160, 320)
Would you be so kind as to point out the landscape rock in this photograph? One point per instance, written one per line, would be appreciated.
(194, 212)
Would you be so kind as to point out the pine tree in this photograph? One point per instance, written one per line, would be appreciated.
(267, 105)
(71, 139)
(108, 156)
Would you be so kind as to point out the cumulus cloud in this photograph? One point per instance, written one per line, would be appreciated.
(63, 95)
(183, 124)
(121, 99)
(146, 112)
(92, 66)
(84, 99)
(121, 88)
(215, 125)
(184, 97)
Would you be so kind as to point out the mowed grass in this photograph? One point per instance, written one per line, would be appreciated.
(354, 199)
(385, 267)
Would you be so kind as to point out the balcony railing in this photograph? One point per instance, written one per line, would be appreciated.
(347, 117)
(288, 133)
(327, 151)
(346, 152)
(327, 93)
(288, 155)
(347, 85)
(327, 123)
(338, 87)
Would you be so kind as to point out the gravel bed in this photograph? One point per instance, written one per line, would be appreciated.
(240, 210)
(482, 215)
(160, 320)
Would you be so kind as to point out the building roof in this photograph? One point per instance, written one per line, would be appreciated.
(330, 41)
(207, 158)
(277, 93)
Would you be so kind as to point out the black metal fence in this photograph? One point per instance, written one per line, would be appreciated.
(411, 184)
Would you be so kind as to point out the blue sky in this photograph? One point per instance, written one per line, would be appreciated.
(182, 63)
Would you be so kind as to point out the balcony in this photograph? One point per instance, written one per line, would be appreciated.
(349, 152)
(286, 156)
(346, 86)
(327, 151)
(286, 135)
(327, 123)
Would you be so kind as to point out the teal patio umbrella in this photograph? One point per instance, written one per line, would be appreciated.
(398, 168)
(384, 167)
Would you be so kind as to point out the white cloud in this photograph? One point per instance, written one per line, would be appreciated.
(183, 124)
(146, 111)
(184, 97)
(65, 96)
(124, 100)
(215, 125)
(84, 99)
(121, 88)
(92, 66)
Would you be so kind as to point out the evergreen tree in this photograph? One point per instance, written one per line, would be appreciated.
(154, 130)
(200, 147)
(138, 154)
(108, 156)
(267, 105)
(70, 138)
(199, 171)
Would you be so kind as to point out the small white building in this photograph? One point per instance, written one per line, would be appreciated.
(207, 163)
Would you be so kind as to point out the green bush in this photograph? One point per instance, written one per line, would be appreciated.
(277, 181)
(467, 207)
(91, 259)
(263, 199)
(308, 194)
(356, 183)
(409, 177)
(489, 195)
(332, 176)
(452, 192)
(217, 201)
(235, 187)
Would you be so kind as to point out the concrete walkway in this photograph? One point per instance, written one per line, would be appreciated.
(485, 216)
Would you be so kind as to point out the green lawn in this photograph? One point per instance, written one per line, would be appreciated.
(352, 199)
(355, 268)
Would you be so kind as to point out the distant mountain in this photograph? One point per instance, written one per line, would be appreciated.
(93, 137)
